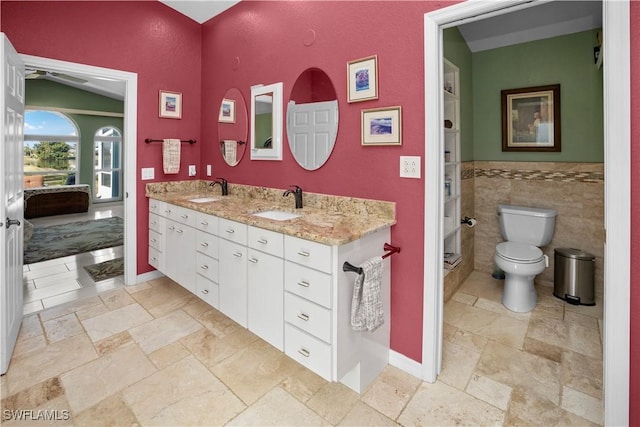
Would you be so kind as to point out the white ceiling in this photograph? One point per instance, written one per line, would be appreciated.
(544, 21)
(200, 10)
(549, 19)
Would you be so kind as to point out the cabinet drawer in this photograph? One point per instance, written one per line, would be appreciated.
(267, 241)
(207, 244)
(156, 223)
(308, 316)
(156, 206)
(233, 231)
(207, 223)
(155, 258)
(155, 240)
(308, 351)
(308, 253)
(207, 291)
(307, 283)
(208, 267)
(179, 214)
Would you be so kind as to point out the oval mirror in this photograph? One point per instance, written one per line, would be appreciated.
(312, 119)
(233, 125)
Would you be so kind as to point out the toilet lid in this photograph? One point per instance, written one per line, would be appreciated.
(518, 251)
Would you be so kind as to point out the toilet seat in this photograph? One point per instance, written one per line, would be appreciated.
(521, 253)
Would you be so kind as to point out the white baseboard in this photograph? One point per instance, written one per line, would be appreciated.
(147, 276)
(406, 364)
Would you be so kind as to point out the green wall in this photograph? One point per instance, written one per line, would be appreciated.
(457, 52)
(45, 93)
(565, 60)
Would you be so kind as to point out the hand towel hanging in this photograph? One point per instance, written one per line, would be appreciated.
(367, 312)
(231, 152)
(171, 156)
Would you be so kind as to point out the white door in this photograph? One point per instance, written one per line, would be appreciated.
(11, 209)
(312, 131)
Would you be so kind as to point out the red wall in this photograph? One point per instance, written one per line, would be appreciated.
(634, 395)
(169, 51)
(147, 38)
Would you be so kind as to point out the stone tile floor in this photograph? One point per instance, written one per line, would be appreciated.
(153, 354)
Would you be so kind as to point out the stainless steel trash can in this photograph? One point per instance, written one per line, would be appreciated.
(573, 276)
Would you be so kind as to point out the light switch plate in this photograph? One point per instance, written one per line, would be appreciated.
(410, 166)
(148, 173)
(192, 170)
(208, 170)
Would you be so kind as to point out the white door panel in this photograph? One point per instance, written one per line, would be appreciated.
(11, 210)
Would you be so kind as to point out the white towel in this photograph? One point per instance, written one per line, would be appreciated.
(171, 156)
(366, 307)
(230, 152)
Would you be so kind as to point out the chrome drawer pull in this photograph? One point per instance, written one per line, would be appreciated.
(205, 223)
(304, 284)
(204, 244)
(303, 351)
(303, 253)
(168, 211)
(253, 260)
(263, 241)
(237, 254)
(205, 291)
(153, 223)
(153, 240)
(303, 316)
(154, 259)
(179, 231)
(172, 228)
(230, 230)
(204, 267)
(184, 216)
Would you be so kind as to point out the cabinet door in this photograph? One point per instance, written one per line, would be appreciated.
(233, 281)
(265, 297)
(180, 255)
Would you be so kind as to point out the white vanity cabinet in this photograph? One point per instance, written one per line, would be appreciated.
(179, 252)
(233, 274)
(207, 264)
(265, 276)
(156, 230)
(317, 310)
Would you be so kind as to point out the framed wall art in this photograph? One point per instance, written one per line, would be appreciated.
(170, 104)
(531, 119)
(227, 111)
(362, 79)
(382, 126)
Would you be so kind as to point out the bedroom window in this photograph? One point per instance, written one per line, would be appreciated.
(51, 148)
(107, 169)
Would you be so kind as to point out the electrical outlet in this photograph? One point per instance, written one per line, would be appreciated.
(208, 170)
(148, 173)
(192, 170)
(410, 166)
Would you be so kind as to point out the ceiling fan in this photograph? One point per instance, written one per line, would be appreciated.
(37, 74)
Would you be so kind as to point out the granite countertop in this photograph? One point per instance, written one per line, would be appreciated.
(332, 220)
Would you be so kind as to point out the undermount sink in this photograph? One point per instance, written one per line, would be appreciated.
(203, 199)
(277, 215)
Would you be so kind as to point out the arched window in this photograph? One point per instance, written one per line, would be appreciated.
(107, 165)
(51, 147)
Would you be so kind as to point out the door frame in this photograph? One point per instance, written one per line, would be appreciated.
(617, 145)
(129, 142)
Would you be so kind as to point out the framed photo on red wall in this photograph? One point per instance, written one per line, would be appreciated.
(170, 104)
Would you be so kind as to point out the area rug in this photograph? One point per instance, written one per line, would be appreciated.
(73, 238)
(106, 270)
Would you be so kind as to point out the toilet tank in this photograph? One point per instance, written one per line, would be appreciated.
(527, 225)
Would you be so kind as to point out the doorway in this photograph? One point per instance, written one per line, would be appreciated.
(130, 81)
(616, 53)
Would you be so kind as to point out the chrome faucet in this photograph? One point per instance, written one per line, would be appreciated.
(223, 184)
(297, 193)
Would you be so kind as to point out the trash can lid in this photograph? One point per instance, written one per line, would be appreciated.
(575, 253)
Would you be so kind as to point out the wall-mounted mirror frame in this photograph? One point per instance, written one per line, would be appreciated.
(266, 109)
(312, 118)
(233, 125)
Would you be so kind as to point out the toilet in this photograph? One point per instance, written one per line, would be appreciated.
(524, 229)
